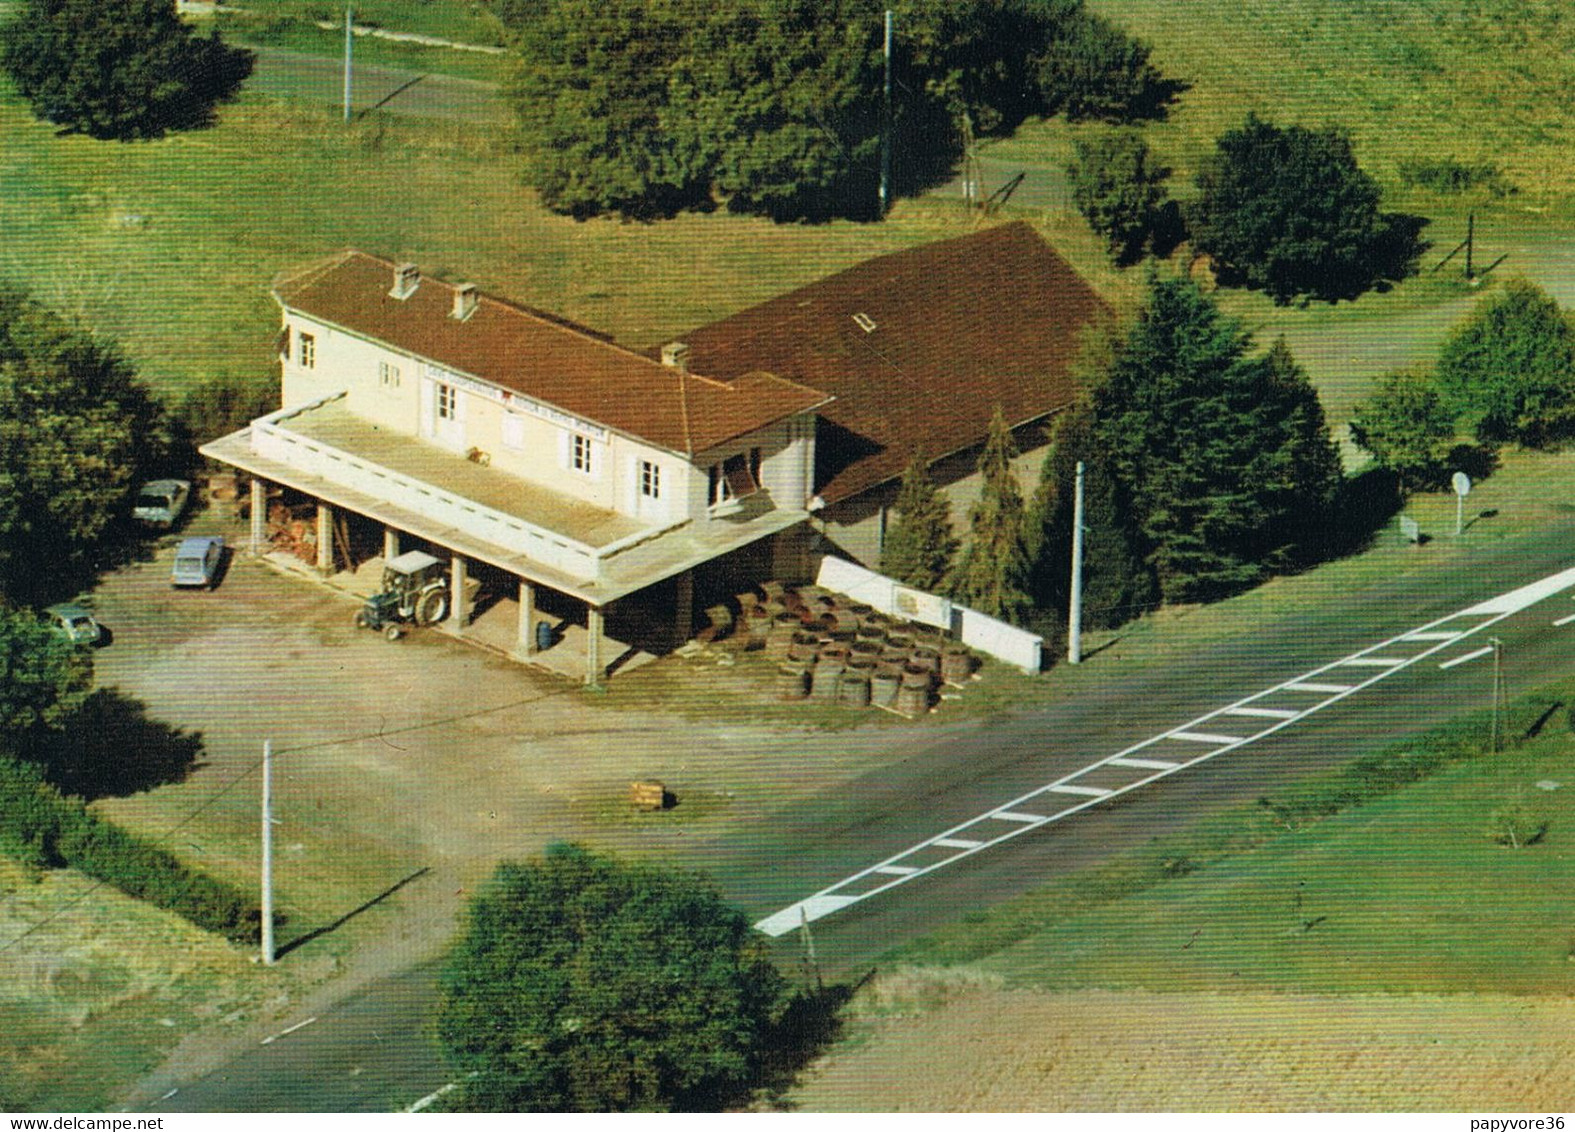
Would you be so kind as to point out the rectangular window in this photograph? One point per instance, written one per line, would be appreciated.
(388, 375)
(650, 480)
(308, 351)
(447, 403)
(580, 453)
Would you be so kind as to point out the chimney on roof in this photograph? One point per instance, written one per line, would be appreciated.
(465, 297)
(675, 355)
(407, 277)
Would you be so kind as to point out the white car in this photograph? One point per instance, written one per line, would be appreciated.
(160, 502)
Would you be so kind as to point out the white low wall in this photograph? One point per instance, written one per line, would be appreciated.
(990, 636)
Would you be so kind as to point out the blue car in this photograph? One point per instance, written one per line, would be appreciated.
(197, 561)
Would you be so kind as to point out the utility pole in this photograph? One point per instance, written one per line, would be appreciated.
(809, 949)
(267, 853)
(885, 136)
(1498, 686)
(349, 38)
(1074, 616)
(1471, 232)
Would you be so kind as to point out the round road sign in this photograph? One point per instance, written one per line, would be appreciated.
(1462, 484)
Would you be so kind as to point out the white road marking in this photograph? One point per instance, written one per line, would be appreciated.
(169, 1094)
(1565, 620)
(288, 1030)
(1485, 615)
(1143, 764)
(1008, 815)
(1483, 651)
(1263, 712)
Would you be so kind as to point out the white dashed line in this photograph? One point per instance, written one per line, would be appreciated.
(1483, 651)
(1019, 816)
(1564, 620)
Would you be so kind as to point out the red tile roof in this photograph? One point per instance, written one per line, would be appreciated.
(918, 347)
(543, 357)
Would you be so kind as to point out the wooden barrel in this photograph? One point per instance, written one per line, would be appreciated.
(792, 682)
(913, 676)
(803, 646)
(956, 664)
(884, 684)
(913, 700)
(926, 658)
(854, 689)
(824, 679)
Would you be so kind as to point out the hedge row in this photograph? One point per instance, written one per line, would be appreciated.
(40, 827)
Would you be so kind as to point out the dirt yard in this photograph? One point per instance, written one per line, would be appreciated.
(422, 762)
(985, 1048)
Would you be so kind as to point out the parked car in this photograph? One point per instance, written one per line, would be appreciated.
(74, 623)
(160, 502)
(197, 561)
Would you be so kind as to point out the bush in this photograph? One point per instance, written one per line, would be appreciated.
(1451, 176)
(118, 68)
(1289, 212)
(44, 830)
(1509, 370)
(584, 983)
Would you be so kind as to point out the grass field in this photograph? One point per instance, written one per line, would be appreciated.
(458, 20)
(1404, 891)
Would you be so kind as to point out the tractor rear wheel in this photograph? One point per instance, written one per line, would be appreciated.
(431, 607)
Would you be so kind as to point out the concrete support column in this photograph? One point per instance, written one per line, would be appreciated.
(259, 515)
(325, 538)
(390, 543)
(684, 605)
(593, 646)
(459, 594)
(527, 630)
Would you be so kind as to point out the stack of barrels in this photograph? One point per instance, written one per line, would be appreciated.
(832, 650)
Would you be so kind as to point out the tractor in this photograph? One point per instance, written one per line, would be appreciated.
(415, 591)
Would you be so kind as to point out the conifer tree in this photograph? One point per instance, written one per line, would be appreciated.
(1117, 583)
(920, 545)
(1225, 457)
(992, 574)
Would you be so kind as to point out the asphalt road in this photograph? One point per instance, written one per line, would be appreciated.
(295, 74)
(350, 1059)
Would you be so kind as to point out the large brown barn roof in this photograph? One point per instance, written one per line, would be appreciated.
(543, 357)
(918, 348)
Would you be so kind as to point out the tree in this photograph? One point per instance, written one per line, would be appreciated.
(78, 433)
(43, 677)
(584, 983)
(920, 545)
(1120, 190)
(1093, 70)
(646, 107)
(1117, 583)
(1407, 428)
(1509, 371)
(118, 68)
(1287, 211)
(992, 574)
(1224, 458)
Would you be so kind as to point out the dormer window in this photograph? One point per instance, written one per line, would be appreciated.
(737, 477)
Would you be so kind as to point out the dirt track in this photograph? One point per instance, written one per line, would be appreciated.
(994, 1049)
